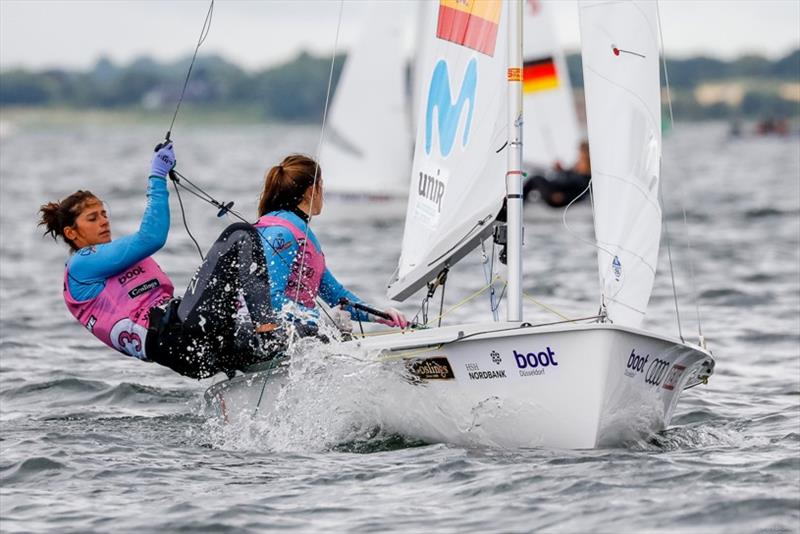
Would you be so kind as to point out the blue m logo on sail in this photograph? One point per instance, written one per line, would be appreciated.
(439, 98)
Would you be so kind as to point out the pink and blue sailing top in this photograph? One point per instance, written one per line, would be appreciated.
(297, 272)
(111, 287)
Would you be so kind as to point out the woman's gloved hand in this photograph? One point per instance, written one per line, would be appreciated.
(397, 319)
(163, 161)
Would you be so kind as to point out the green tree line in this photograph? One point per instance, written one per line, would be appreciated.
(295, 90)
(292, 91)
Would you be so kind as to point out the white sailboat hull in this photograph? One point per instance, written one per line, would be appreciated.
(506, 385)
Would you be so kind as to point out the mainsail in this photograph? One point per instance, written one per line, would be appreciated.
(458, 174)
(550, 129)
(368, 142)
(619, 42)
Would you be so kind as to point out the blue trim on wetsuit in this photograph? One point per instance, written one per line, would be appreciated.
(279, 240)
(90, 266)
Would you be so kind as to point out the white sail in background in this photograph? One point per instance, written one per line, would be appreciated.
(368, 142)
(620, 50)
(550, 130)
(458, 175)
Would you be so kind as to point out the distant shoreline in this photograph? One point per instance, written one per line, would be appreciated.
(749, 87)
(31, 117)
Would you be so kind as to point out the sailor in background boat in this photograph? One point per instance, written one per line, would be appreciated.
(560, 186)
(121, 295)
(293, 194)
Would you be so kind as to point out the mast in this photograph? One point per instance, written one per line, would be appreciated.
(514, 162)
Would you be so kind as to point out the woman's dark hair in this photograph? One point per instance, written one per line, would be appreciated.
(284, 184)
(59, 215)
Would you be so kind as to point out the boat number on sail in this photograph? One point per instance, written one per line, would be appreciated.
(436, 368)
(654, 371)
(534, 363)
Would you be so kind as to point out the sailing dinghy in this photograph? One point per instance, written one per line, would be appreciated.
(572, 384)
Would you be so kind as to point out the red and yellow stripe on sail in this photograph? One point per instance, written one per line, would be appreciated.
(470, 23)
(539, 75)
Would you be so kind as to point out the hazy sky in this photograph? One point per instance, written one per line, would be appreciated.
(256, 33)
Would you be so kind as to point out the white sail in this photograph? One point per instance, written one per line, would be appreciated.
(368, 139)
(620, 50)
(550, 130)
(458, 175)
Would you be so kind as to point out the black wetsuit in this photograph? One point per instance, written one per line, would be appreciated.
(192, 335)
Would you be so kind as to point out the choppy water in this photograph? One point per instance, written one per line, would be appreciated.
(92, 441)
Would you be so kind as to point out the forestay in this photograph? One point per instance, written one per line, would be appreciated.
(458, 175)
(550, 129)
(368, 143)
(619, 42)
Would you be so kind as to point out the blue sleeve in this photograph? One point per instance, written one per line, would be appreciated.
(90, 266)
(280, 248)
(331, 291)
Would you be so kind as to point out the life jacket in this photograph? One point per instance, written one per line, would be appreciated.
(120, 314)
(308, 265)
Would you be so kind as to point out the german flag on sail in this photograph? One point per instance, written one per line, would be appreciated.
(470, 23)
(539, 75)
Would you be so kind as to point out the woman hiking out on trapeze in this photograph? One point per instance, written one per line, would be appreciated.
(117, 291)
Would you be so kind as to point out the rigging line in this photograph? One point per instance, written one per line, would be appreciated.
(538, 303)
(683, 198)
(595, 244)
(321, 140)
(203, 34)
(671, 269)
(495, 301)
(488, 271)
(197, 191)
(500, 298)
(183, 216)
(441, 302)
(469, 298)
(206, 196)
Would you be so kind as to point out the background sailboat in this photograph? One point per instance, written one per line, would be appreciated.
(551, 130)
(368, 142)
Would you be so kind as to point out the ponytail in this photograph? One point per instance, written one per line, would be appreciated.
(55, 216)
(285, 184)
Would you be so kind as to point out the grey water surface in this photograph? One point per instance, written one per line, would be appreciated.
(91, 441)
